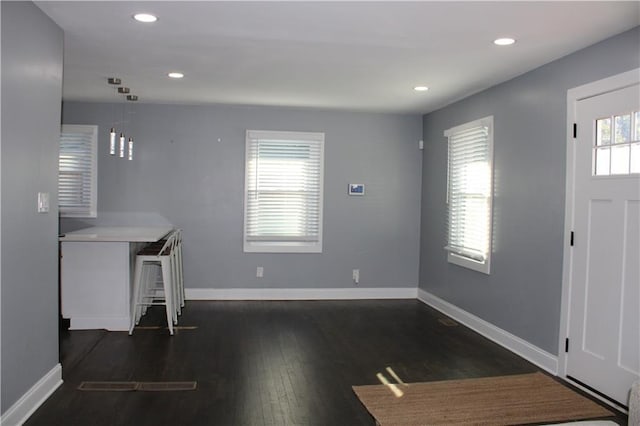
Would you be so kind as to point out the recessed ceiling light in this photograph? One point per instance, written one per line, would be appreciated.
(145, 17)
(421, 88)
(175, 75)
(504, 41)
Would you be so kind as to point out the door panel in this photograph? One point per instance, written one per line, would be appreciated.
(630, 314)
(604, 323)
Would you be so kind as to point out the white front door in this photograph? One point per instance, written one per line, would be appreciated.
(604, 300)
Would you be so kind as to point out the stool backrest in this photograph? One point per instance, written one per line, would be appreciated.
(169, 245)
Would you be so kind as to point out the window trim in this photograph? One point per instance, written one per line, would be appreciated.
(455, 258)
(275, 245)
(92, 210)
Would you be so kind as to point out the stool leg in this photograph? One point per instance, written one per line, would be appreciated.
(174, 282)
(168, 293)
(146, 297)
(180, 276)
(135, 297)
(142, 299)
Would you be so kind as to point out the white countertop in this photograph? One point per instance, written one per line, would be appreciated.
(117, 234)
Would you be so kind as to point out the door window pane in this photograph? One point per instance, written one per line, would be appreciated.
(620, 160)
(602, 161)
(623, 128)
(617, 145)
(635, 158)
(603, 131)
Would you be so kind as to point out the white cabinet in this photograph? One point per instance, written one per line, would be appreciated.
(96, 273)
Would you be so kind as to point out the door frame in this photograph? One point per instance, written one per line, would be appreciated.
(589, 90)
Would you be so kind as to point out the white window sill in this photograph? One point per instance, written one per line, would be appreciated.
(469, 263)
(281, 247)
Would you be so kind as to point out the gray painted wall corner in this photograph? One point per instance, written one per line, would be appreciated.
(31, 95)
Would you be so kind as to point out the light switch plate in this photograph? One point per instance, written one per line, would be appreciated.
(43, 202)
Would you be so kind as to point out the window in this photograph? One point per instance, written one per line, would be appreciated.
(469, 194)
(283, 192)
(77, 171)
(616, 150)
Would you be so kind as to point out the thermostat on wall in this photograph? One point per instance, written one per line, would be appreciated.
(356, 189)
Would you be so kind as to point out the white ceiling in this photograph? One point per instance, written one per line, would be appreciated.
(346, 55)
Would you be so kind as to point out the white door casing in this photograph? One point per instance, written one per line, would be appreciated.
(601, 278)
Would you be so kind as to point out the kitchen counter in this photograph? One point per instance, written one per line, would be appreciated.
(117, 234)
(96, 274)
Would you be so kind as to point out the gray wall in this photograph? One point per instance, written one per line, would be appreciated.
(522, 294)
(181, 174)
(31, 94)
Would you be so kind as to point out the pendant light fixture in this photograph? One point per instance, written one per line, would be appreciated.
(130, 149)
(121, 145)
(112, 141)
(121, 142)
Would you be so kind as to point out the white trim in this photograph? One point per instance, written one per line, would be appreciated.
(575, 95)
(595, 395)
(91, 130)
(301, 293)
(23, 408)
(474, 265)
(484, 121)
(313, 138)
(605, 85)
(483, 266)
(515, 344)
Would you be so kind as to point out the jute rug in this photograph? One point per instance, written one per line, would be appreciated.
(505, 400)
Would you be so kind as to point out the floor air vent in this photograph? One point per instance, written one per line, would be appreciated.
(167, 386)
(160, 327)
(108, 386)
(137, 386)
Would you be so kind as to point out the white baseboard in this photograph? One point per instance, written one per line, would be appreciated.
(20, 412)
(301, 293)
(515, 344)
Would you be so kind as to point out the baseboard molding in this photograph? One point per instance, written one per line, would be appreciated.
(301, 293)
(515, 344)
(20, 412)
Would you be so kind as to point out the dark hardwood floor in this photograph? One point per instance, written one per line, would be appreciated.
(265, 363)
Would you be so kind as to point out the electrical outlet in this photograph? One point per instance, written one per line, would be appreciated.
(259, 272)
(356, 276)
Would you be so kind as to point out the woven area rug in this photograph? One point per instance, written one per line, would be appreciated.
(505, 400)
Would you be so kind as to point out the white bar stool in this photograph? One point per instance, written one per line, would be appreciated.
(178, 277)
(177, 269)
(145, 290)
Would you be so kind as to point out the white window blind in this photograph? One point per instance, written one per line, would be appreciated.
(77, 171)
(283, 196)
(469, 194)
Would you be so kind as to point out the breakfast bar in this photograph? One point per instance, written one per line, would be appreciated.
(96, 274)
